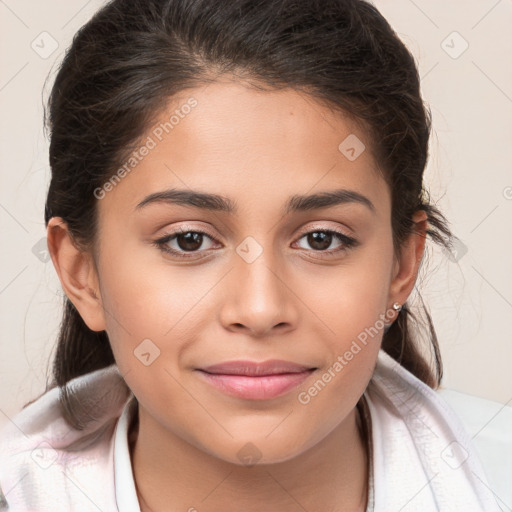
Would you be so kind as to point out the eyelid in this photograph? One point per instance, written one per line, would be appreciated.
(322, 227)
(185, 228)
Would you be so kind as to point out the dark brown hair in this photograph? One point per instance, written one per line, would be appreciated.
(135, 55)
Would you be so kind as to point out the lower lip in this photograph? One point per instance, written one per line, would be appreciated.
(256, 388)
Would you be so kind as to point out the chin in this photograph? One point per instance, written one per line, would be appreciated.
(259, 450)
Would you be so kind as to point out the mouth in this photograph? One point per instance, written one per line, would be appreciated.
(256, 381)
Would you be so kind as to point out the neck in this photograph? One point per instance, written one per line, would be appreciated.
(169, 471)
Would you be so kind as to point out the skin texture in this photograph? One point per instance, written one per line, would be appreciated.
(257, 149)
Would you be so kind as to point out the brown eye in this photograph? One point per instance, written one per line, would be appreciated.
(184, 241)
(319, 240)
(190, 241)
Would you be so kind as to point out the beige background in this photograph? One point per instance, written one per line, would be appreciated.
(470, 94)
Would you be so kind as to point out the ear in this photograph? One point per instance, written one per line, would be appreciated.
(405, 270)
(77, 274)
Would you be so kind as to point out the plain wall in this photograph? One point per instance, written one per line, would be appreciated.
(469, 174)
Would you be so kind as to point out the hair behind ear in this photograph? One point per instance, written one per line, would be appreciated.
(79, 349)
(400, 344)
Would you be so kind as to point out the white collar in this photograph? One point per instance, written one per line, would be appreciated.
(126, 495)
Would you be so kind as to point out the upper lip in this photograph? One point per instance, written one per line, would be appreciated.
(252, 368)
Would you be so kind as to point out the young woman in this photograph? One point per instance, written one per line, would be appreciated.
(237, 217)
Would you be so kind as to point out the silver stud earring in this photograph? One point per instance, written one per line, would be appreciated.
(397, 307)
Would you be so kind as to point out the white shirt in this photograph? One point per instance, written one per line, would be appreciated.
(421, 457)
(126, 495)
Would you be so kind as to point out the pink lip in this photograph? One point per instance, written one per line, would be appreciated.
(256, 381)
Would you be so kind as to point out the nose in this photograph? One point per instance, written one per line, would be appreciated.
(259, 297)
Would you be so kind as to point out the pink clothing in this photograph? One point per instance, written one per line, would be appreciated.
(421, 457)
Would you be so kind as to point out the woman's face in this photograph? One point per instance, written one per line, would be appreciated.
(259, 273)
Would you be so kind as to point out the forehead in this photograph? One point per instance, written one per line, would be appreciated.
(250, 145)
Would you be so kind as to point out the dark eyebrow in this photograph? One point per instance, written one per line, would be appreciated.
(326, 199)
(190, 198)
(219, 203)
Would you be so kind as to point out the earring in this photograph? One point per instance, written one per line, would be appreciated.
(397, 307)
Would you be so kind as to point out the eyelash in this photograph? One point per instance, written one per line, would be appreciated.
(161, 243)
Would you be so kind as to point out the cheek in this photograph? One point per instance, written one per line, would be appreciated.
(351, 304)
(349, 298)
(157, 302)
(353, 317)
